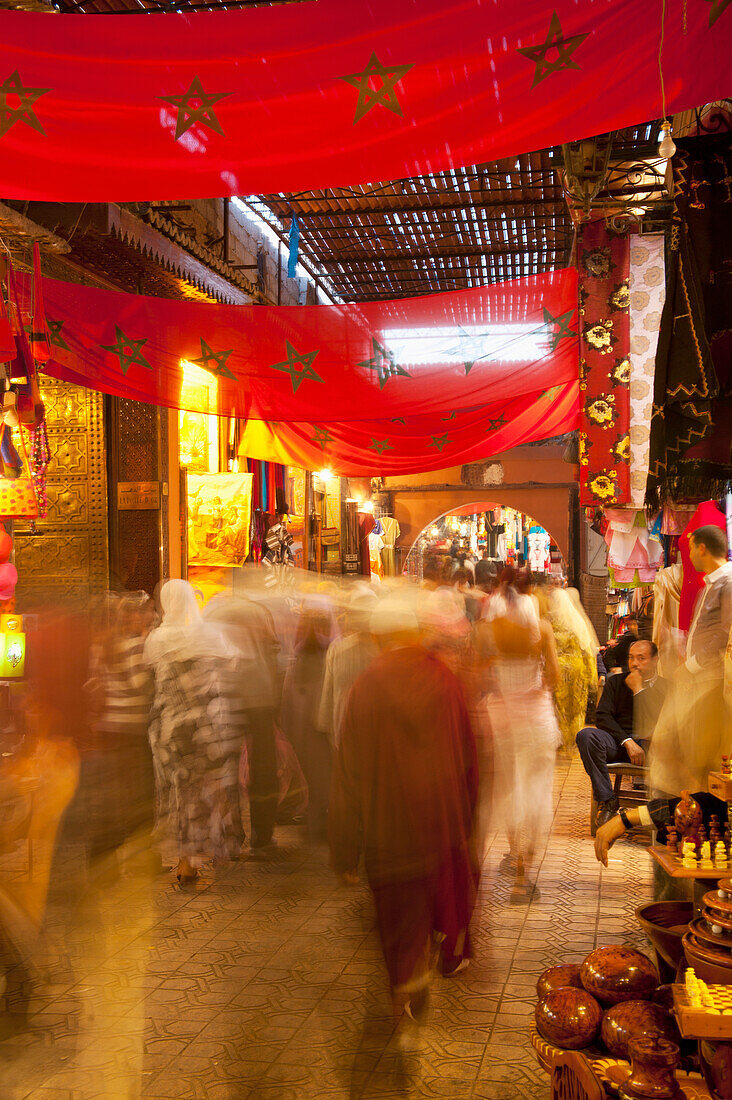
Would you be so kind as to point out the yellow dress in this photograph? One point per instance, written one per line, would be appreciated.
(577, 674)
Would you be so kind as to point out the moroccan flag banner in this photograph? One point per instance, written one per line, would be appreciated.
(467, 373)
(410, 445)
(325, 94)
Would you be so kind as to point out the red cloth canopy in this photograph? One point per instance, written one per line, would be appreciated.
(418, 443)
(411, 384)
(311, 95)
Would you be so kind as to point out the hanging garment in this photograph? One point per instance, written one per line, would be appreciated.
(376, 545)
(538, 543)
(392, 532)
(633, 556)
(366, 524)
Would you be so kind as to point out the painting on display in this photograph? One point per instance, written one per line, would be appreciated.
(219, 512)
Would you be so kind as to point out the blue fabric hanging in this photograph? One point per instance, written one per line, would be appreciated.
(294, 247)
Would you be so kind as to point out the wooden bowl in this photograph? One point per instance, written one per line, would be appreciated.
(717, 909)
(702, 930)
(618, 973)
(665, 923)
(705, 963)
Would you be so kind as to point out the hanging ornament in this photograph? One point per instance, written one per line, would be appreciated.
(39, 459)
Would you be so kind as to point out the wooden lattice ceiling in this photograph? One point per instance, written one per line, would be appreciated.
(448, 231)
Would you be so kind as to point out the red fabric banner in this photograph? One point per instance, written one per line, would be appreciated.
(310, 95)
(604, 307)
(441, 378)
(410, 445)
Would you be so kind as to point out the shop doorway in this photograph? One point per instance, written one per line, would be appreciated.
(486, 529)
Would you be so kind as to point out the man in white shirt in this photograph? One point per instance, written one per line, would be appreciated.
(712, 621)
(695, 726)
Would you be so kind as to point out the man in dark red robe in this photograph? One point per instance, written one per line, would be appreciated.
(404, 795)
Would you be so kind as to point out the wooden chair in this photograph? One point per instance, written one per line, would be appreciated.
(626, 796)
(573, 1078)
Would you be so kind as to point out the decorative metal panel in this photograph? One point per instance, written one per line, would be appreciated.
(138, 533)
(67, 558)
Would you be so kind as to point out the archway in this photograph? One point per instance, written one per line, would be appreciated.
(485, 528)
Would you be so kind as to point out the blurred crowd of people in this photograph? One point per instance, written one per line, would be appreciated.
(400, 724)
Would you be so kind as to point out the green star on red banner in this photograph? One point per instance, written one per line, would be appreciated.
(128, 351)
(368, 96)
(495, 423)
(384, 363)
(195, 106)
(289, 366)
(563, 321)
(13, 86)
(54, 333)
(322, 437)
(555, 40)
(380, 445)
(208, 357)
(450, 416)
(398, 420)
(440, 441)
(469, 367)
(718, 6)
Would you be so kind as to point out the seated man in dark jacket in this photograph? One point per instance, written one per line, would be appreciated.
(626, 715)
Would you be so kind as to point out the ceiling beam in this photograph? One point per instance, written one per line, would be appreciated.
(285, 209)
(407, 260)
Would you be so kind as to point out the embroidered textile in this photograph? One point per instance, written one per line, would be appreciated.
(604, 298)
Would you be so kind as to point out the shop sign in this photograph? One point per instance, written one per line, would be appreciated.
(135, 496)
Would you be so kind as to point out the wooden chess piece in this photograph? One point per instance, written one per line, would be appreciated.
(714, 833)
(672, 841)
(702, 833)
(687, 817)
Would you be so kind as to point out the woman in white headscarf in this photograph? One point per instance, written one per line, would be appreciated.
(195, 746)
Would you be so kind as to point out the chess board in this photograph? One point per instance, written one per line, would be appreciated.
(671, 863)
(711, 1021)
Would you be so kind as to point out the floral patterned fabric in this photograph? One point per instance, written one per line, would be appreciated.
(605, 369)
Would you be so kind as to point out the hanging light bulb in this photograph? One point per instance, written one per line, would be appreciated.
(666, 147)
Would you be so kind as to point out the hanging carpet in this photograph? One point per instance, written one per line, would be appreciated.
(691, 430)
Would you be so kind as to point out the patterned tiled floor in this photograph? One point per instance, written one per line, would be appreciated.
(265, 982)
